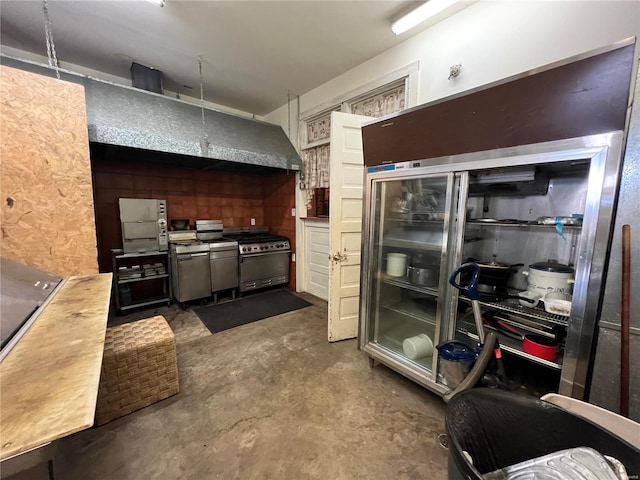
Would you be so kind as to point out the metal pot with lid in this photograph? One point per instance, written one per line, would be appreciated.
(545, 277)
(495, 274)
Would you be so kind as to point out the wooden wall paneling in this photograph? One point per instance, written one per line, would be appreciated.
(47, 214)
(588, 96)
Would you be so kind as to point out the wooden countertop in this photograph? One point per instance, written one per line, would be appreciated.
(49, 380)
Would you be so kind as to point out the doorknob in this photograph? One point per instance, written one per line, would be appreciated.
(338, 257)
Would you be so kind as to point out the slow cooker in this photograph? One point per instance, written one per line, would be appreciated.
(545, 277)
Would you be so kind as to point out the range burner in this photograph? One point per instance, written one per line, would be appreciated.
(255, 237)
(259, 242)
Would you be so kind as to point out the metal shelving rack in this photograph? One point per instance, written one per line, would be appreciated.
(513, 306)
(466, 326)
(119, 258)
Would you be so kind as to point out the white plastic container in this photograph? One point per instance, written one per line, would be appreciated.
(396, 264)
(417, 347)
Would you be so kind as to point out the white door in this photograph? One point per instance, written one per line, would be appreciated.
(317, 271)
(346, 172)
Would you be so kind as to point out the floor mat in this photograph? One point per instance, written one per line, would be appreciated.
(249, 309)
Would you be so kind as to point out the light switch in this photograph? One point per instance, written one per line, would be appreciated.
(293, 212)
(293, 257)
(253, 221)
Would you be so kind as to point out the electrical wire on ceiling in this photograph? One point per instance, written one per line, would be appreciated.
(51, 48)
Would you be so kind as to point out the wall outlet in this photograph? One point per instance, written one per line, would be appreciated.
(293, 212)
(293, 257)
(253, 221)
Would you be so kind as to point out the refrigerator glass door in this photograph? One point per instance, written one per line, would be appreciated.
(408, 237)
(514, 210)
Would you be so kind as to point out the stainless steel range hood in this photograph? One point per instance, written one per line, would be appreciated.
(128, 117)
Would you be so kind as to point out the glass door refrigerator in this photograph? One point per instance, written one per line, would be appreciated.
(536, 218)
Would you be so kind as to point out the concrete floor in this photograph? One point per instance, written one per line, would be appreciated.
(271, 399)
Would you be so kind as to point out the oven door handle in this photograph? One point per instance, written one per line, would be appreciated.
(251, 255)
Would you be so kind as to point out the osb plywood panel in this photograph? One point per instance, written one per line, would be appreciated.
(47, 216)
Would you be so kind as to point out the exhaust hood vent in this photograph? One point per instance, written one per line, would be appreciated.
(128, 117)
(146, 78)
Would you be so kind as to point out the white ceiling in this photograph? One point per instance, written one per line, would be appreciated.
(253, 52)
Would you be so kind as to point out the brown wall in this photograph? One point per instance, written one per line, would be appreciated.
(192, 194)
(46, 217)
(279, 200)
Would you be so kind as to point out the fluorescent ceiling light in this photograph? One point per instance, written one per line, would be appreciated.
(159, 3)
(420, 14)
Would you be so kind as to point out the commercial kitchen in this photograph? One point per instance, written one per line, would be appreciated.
(409, 256)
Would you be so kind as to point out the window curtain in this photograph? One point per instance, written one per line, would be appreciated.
(316, 159)
(316, 170)
(382, 104)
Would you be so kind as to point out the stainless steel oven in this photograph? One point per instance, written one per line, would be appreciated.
(264, 270)
(264, 259)
(144, 224)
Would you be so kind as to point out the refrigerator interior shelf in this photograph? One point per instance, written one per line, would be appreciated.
(413, 245)
(414, 310)
(414, 223)
(402, 282)
(414, 238)
(467, 327)
(421, 244)
(518, 224)
(512, 305)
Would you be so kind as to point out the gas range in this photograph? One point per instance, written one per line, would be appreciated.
(265, 258)
(250, 243)
(263, 243)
